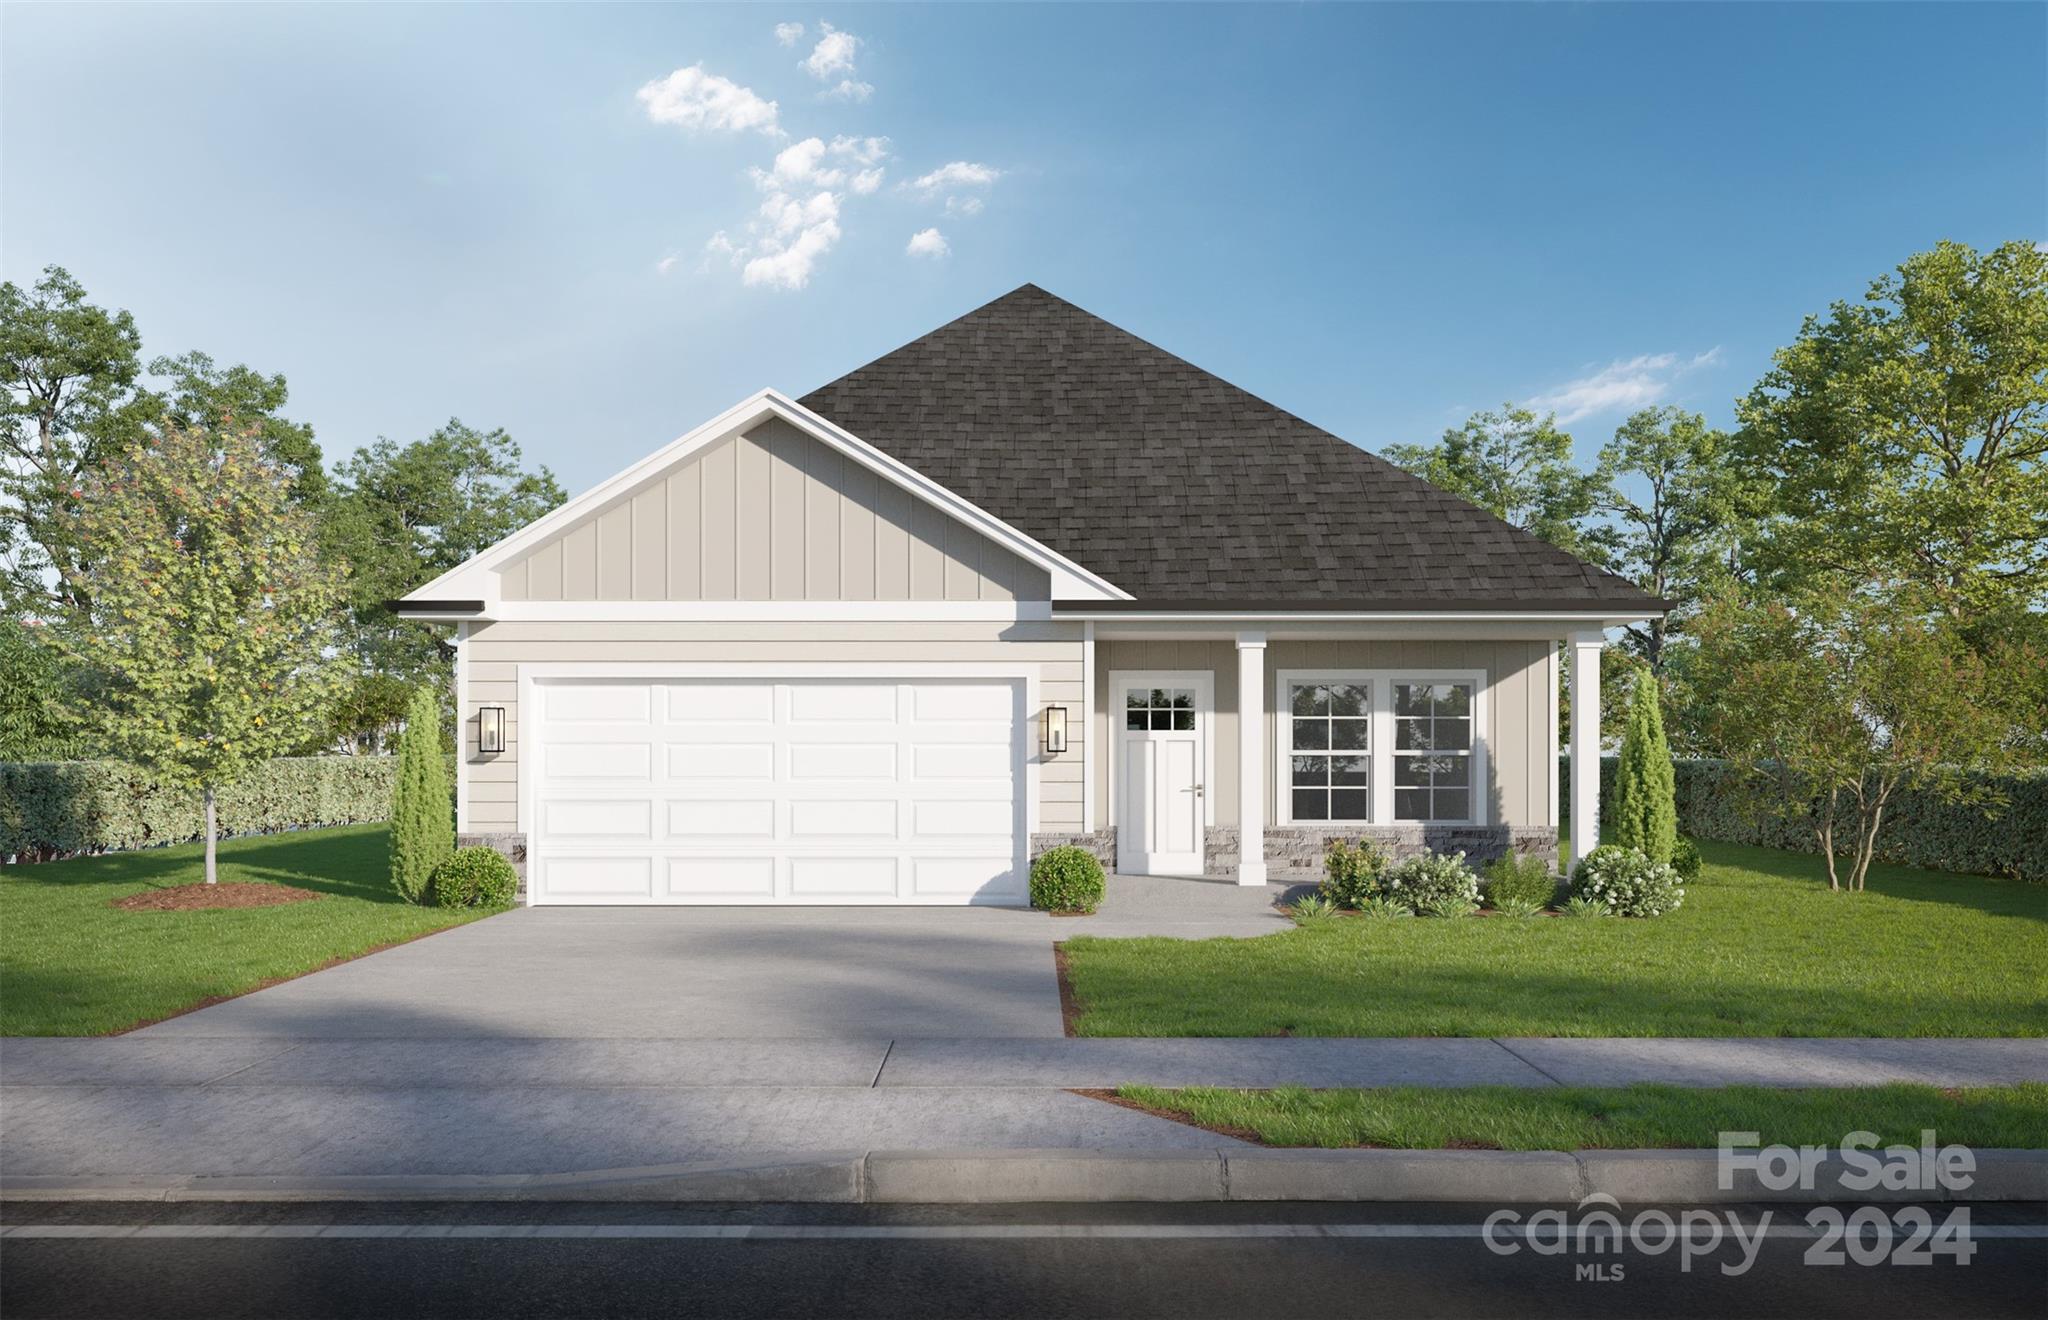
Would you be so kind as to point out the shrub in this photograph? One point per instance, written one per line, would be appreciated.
(1520, 878)
(1383, 907)
(1447, 905)
(422, 809)
(1066, 879)
(474, 877)
(1644, 812)
(1352, 875)
(1430, 881)
(1517, 905)
(53, 809)
(1628, 883)
(1312, 910)
(1686, 860)
(1581, 906)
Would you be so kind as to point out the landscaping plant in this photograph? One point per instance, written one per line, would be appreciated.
(1686, 860)
(1521, 878)
(474, 877)
(1383, 907)
(1644, 812)
(1311, 910)
(1517, 905)
(1436, 884)
(1627, 883)
(202, 611)
(422, 808)
(1352, 874)
(1066, 879)
(1581, 905)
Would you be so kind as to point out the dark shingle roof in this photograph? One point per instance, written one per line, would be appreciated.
(1178, 486)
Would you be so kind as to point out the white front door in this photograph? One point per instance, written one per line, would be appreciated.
(1162, 765)
(773, 790)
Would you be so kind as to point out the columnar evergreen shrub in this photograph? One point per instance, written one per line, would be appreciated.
(1644, 814)
(422, 808)
(1352, 875)
(1627, 883)
(1066, 879)
(474, 877)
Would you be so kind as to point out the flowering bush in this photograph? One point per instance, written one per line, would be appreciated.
(1432, 884)
(1627, 883)
(1352, 875)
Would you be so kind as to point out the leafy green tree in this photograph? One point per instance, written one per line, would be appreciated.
(1681, 534)
(1906, 436)
(404, 514)
(422, 808)
(35, 714)
(1644, 813)
(197, 393)
(1519, 468)
(1834, 703)
(203, 610)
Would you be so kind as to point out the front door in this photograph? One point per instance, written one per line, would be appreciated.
(1162, 758)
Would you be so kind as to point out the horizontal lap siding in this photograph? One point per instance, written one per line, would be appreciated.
(495, 651)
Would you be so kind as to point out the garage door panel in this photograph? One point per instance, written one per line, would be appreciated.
(790, 791)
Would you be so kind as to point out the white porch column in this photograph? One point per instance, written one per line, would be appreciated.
(1584, 653)
(1251, 758)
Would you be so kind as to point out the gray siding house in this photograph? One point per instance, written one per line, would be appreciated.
(1028, 580)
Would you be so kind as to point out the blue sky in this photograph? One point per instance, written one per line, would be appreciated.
(1380, 217)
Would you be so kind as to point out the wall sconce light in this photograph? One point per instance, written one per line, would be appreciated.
(490, 728)
(1055, 730)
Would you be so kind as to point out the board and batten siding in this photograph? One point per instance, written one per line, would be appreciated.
(770, 515)
(1521, 708)
(494, 651)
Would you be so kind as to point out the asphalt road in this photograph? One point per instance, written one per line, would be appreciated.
(113, 1260)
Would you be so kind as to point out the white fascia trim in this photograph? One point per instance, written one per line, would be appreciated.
(473, 579)
(770, 611)
(1349, 616)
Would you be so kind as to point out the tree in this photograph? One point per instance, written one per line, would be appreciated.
(1519, 468)
(1644, 814)
(202, 609)
(1681, 536)
(1834, 703)
(405, 514)
(1904, 436)
(35, 717)
(422, 821)
(198, 394)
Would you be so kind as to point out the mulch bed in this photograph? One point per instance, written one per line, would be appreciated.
(194, 898)
(1070, 1006)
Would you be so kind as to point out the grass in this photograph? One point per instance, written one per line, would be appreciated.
(1760, 948)
(1606, 1118)
(71, 965)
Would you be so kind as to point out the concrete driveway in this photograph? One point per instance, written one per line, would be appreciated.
(678, 972)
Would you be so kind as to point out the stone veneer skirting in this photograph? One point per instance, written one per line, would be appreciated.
(1296, 851)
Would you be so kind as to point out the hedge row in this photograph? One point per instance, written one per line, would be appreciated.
(51, 809)
(1918, 830)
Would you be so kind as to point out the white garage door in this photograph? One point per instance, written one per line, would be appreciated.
(797, 791)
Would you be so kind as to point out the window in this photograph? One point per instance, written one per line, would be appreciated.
(1432, 751)
(1379, 747)
(1159, 708)
(1330, 742)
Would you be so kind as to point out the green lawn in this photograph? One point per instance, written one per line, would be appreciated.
(1760, 948)
(1602, 1118)
(71, 965)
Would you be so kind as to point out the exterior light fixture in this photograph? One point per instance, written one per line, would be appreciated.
(1055, 730)
(490, 728)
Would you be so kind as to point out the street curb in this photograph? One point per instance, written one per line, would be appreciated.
(966, 1177)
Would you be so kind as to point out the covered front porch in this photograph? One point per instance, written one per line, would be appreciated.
(1431, 730)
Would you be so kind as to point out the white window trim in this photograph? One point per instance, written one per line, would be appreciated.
(1203, 681)
(1382, 683)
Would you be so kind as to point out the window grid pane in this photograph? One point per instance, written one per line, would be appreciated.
(1433, 751)
(1329, 742)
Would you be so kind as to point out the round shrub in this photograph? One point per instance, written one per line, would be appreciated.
(1432, 883)
(1066, 879)
(474, 877)
(1521, 880)
(1352, 875)
(1686, 860)
(1627, 883)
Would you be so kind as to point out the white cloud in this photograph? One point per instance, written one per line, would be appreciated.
(861, 150)
(956, 174)
(929, 243)
(783, 242)
(1621, 386)
(797, 166)
(698, 101)
(666, 264)
(789, 33)
(850, 89)
(865, 182)
(963, 206)
(833, 55)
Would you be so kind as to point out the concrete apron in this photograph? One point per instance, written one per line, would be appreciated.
(1050, 1176)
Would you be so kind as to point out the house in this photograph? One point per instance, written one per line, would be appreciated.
(1026, 581)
